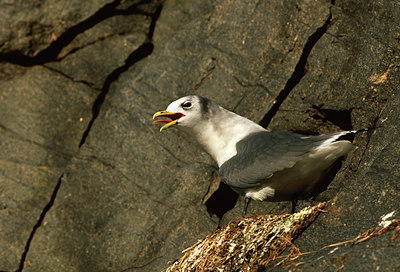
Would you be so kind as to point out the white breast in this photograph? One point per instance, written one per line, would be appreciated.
(221, 132)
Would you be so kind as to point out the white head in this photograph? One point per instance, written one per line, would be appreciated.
(186, 112)
(215, 128)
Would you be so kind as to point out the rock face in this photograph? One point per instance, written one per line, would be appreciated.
(87, 183)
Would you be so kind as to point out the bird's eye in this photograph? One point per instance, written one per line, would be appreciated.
(186, 105)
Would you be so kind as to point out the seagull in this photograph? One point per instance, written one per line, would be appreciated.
(256, 163)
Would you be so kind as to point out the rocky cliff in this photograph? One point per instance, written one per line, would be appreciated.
(87, 183)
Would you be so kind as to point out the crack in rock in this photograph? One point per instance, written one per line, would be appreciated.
(221, 201)
(224, 199)
(298, 73)
(207, 73)
(340, 118)
(246, 84)
(19, 137)
(142, 52)
(39, 223)
(52, 51)
(98, 40)
(141, 266)
(369, 136)
(89, 84)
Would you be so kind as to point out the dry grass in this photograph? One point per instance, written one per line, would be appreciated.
(368, 234)
(248, 244)
(363, 237)
(252, 243)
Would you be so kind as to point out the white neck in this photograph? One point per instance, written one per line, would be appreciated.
(220, 133)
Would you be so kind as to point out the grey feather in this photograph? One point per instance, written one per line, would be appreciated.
(261, 154)
(254, 162)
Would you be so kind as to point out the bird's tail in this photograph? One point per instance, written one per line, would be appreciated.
(365, 129)
(351, 133)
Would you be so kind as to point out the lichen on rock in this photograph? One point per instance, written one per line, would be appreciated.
(246, 244)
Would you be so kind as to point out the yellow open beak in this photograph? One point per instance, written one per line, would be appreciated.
(174, 116)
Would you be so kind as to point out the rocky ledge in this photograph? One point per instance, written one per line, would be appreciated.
(87, 183)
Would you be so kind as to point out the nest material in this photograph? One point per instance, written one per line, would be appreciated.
(248, 244)
(393, 225)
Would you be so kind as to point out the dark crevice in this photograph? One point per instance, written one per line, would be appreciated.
(98, 40)
(38, 224)
(52, 51)
(221, 201)
(246, 85)
(89, 84)
(299, 72)
(142, 52)
(201, 80)
(308, 132)
(224, 198)
(207, 72)
(340, 118)
(370, 131)
(143, 265)
(154, 18)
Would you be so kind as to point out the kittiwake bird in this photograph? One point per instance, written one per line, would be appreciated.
(256, 163)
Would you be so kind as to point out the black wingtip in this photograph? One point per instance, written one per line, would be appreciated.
(349, 136)
(367, 129)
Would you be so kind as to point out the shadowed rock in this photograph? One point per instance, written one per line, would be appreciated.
(129, 200)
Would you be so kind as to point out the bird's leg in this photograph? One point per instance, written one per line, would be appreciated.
(294, 203)
(246, 204)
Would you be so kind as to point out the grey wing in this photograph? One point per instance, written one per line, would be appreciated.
(262, 154)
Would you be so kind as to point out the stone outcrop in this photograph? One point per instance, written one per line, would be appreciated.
(87, 183)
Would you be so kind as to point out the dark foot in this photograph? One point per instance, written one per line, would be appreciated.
(246, 204)
(294, 203)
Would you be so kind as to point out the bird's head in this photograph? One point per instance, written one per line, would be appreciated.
(186, 112)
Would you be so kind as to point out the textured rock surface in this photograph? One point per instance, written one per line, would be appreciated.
(87, 183)
(40, 129)
(30, 26)
(46, 108)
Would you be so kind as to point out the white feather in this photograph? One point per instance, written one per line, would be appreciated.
(261, 194)
(219, 137)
